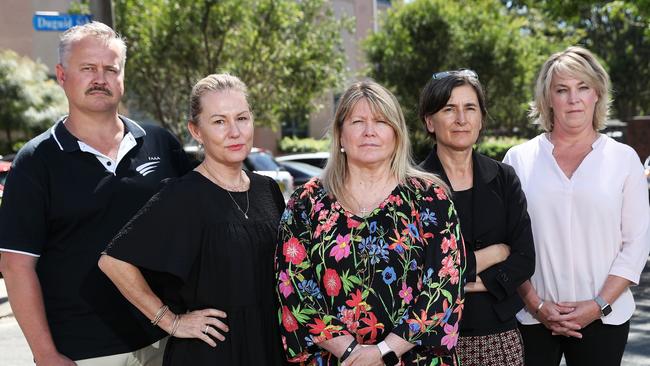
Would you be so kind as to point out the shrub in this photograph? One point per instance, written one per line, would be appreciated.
(292, 145)
(496, 147)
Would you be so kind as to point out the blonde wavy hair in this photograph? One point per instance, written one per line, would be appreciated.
(382, 103)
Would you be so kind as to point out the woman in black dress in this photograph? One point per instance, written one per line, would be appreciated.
(198, 258)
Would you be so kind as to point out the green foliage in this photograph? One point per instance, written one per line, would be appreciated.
(419, 38)
(496, 147)
(289, 145)
(29, 101)
(79, 7)
(287, 52)
(616, 31)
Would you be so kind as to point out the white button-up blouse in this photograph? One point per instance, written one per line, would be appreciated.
(588, 227)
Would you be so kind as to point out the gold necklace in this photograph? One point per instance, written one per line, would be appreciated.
(227, 189)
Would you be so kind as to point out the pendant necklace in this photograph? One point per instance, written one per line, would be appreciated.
(227, 189)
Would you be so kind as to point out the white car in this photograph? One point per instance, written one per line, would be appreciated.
(259, 161)
(318, 159)
(262, 162)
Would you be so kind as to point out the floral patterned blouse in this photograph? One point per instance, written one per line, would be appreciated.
(401, 269)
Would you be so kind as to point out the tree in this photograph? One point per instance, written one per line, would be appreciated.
(616, 31)
(29, 101)
(286, 51)
(421, 37)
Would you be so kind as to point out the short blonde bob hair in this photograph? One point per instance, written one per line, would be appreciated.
(382, 103)
(575, 62)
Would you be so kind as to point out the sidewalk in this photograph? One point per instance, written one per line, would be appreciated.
(5, 309)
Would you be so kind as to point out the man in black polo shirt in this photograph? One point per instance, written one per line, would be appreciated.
(70, 190)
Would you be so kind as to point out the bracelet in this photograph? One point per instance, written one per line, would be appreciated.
(348, 350)
(159, 314)
(539, 307)
(175, 324)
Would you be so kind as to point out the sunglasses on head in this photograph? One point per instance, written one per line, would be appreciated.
(461, 72)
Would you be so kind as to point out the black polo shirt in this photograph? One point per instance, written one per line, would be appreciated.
(62, 205)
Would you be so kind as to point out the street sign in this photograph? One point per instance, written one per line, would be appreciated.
(52, 21)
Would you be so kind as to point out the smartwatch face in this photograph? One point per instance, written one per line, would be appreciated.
(606, 310)
(390, 359)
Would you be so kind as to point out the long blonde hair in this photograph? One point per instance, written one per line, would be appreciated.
(382, 103)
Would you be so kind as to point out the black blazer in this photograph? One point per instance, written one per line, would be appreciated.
(500, 216)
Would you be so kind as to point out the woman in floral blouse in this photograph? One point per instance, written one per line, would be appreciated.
(370, 261)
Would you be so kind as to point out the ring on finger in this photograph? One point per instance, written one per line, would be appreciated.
(207, 327)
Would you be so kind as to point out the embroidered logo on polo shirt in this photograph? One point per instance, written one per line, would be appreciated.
(147, 168)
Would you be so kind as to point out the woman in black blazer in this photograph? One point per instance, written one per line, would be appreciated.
(493, 217)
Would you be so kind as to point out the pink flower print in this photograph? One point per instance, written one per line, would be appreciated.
(447, 266)
(454, 276)
(449, 244)
(440, 193)
(316, 208)
(342, 247)
(352, 223)
(322, 215)
(451, 337)
(406, 293)
(285, 284)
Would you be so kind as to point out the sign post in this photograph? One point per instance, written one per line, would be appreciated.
(51, 21)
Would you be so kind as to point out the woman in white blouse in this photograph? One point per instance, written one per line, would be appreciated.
(587, 200)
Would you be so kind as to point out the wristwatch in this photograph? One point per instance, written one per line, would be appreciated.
(605, 308)
(387, 355)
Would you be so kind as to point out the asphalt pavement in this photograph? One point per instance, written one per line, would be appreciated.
(14, 350)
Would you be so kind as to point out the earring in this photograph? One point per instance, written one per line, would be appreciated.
(200, 146)
(342, 150)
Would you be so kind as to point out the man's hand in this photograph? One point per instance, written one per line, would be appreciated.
(55, 359)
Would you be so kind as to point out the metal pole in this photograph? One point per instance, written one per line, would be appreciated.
(102, 11)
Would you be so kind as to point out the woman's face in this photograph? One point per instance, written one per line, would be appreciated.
(573, 102)
(459, 122)
(368, 139)
(225, 127)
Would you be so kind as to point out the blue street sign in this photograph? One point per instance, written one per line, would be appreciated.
(55, 22)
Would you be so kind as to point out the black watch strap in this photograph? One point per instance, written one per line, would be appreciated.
(348, 350)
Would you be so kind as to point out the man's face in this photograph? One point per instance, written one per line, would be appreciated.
(93, 79)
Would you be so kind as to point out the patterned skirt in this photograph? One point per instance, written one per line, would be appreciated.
(499, 349)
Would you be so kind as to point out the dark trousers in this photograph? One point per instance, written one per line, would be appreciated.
(601, 345)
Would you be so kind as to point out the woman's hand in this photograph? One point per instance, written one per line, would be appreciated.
(584, 313)
(200, 324)
(476, 286)
(491, 255)
(364, 355)
(550, 311)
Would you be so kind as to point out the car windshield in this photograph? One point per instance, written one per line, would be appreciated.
(262, 161)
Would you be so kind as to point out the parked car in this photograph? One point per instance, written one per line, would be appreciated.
(318, 159)
(301, 172)
(260, 161)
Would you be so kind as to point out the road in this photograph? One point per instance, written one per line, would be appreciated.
(15, 352)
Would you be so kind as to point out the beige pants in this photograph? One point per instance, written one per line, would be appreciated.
(151, 355)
